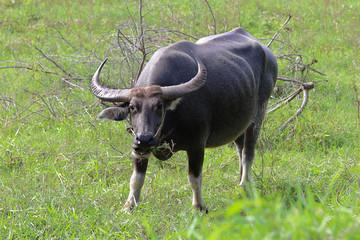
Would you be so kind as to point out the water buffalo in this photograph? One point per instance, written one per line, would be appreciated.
(194, 96)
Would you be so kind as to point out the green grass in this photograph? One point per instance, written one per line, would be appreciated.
(63, 174)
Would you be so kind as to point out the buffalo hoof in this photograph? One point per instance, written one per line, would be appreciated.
(127, 208)
(202, 209)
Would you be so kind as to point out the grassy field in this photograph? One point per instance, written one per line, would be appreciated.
(65, 175)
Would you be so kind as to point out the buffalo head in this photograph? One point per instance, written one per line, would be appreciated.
(146, 106)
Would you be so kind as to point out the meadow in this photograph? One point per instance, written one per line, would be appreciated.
(65, 175)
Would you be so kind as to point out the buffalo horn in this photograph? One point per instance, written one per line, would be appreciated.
(107, 94)
(181, 90)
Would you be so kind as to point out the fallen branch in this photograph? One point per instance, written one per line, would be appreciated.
(301, 64)
(298, 80)
(305, 90)
(288, 79)
(284, 101)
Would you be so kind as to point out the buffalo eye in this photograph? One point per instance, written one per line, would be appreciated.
(132, 108)
(159, 107)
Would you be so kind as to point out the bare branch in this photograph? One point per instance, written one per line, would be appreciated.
(66, 80)
(175, 32)
(172, 13)
(356, 92)
(63, 38)
(313, 69)
(281, 28)
(142, 43)
(102, 139)
(127, 39)
(212, 14)
(72, 84)
(51, 60)
(30, 68)
(286, 57)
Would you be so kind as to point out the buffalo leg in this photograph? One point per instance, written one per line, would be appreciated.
(196, 159)
(248, 153)
(136, 182)
(248, 147)
(239, 142)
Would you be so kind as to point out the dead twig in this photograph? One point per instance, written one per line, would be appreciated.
(26, 116)
(7, 102)
(298, 79)
(66, 80)
(305, 90)
(313, 69)
(280, 29)
(63, 38)
(141, 38)
(73, 84)
(286, 57)
(30, 68)
(212, 14)
(55, 63)
(284, 101)
(127, 39)
(288, 79)
(49, 107)
(103, 140)
(174, 32)
(356, 92)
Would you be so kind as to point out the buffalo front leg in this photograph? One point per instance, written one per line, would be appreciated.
(136, 183)
(195, 160)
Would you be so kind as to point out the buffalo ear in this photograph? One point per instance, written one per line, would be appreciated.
(114, 113)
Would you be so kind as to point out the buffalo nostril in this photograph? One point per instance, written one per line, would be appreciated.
(144, 138)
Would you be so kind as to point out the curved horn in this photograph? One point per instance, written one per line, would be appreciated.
(181, 90)
(107, 94)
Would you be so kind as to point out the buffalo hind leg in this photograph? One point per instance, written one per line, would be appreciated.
(246, 145)
(239, 142)
(136, 183)
(195, 160)
(247, 154)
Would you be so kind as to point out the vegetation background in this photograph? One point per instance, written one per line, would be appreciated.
(63, 174)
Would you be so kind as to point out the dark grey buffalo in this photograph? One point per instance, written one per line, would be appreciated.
(194, 96)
